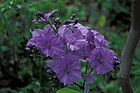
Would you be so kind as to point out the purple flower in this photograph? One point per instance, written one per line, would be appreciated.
(72, 36)
(89, 80)
(48, 29)
(49, 14)
(82, 28)
(96, 39)
(66, 34)
(49, 45)
(46, 41)
(35, 34)
(45, 17)
(102, 59)
(92, 36)
(67, 68)
(99, 39)
(79, 39)
(84, 52)
(70, 44)
(91, 40)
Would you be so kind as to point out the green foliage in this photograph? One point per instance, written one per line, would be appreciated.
(117, 40)
(101, 22)
(116, 12)
(67, 90)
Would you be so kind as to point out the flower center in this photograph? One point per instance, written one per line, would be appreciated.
(101, 60)
(48, 45)
(85, 57)
(67, 69)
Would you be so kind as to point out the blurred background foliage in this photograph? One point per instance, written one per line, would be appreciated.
(24, 71)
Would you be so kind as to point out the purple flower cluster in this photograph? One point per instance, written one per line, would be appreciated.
(70, 44)
(46, 41)
(67, 68)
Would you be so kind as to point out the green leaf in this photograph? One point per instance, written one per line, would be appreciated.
(67, 90)
(137, 90)
(102, 21)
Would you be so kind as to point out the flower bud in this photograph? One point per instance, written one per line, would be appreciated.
(40, 14)
(57, 20)
(67, 22)
(73, 16)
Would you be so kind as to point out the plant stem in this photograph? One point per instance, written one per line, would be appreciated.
(52, 26)
(129, 49)
(85, 73)
(81, 87)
